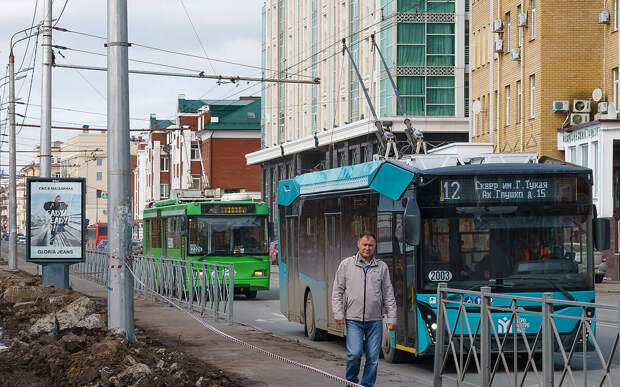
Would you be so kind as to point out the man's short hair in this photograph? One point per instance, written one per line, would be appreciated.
(368, 234)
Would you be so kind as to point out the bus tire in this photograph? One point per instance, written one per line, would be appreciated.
(313, 333)
(391, 355)
(250, 294)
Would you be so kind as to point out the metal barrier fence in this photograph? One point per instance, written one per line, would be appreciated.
(207, 288)
(476, 352)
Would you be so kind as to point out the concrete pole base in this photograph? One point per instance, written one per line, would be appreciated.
(56, 275)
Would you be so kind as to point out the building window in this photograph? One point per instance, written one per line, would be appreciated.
(507, 105)
(519, 99)
(196, 182)
(594, 166)
(195, 153)
(507, 33)
(584, 155)
(56, 174)
(532, 96)
(533, 21)
(164, 164)
(519, 29)
(353, 157)
(615, 15)
(99, 161)
(164, 190)
(99, 175)
(354, 24)
(614, 73)
(573, 154)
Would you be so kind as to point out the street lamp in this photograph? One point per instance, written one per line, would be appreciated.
(12, 149)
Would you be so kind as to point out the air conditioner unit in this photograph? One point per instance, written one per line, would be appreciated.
(522, 22)
(499, 45)
(560, 106)
(515, 53)
(498, 25)
(581, 106)
(579, 118)
(602, 107)
(603, 17)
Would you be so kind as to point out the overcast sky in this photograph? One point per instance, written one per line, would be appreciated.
(229, 30)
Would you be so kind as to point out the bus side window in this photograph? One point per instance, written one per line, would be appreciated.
(156, 233)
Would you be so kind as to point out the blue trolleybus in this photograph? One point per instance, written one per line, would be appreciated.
(467, 225)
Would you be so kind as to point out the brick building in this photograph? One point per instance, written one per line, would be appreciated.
(548, 59)
(203, 149)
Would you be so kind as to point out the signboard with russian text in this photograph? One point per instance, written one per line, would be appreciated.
(55, 220)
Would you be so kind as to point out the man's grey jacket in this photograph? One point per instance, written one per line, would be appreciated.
(362, 296)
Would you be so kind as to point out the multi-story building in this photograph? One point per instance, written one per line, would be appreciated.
(85, 155)
(425, 45)
(203, 149)
(34, 170)
(554, 69)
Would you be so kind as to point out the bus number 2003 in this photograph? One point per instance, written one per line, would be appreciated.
(440, 275)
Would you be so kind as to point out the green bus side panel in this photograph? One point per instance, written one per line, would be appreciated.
(391, 181)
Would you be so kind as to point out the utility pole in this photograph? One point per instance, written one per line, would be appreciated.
(12, 167)
(54, 274)
(120, 280)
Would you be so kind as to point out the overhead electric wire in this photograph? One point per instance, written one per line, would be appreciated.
(61, 13)
(34, 60)
(197, 35)
(34, 15)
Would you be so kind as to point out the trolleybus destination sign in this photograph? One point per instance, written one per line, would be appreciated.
(55, 220)
(507, 189)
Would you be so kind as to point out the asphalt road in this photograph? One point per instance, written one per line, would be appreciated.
(264, 313)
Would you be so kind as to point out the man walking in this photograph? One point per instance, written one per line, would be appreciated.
(362, 289)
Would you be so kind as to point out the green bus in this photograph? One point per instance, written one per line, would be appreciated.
(212, 231)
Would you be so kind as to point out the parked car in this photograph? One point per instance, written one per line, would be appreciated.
(21, 238)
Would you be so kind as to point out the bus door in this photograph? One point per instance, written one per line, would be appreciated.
(333, 257)
(295, 306)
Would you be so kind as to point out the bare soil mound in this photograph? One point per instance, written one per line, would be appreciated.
(57, 337)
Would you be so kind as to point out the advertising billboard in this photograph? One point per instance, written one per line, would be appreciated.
(55, 220)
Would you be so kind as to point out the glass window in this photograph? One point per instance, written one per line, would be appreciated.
(173, 233)
(164, 164)
(99, 161)
(573, 154)
(99, 175)
(196, 182)
(615, 14)
(584, 155)
(195, 153)
(228, 236)
(519, 98)
(507, 31)
(354, 24)
(533, 21)
(412, 94)
(507, 105)
(527, 252)
(387, 44)
(614, 73)
(56, 174)
(594, 166)
(156, 234)
(440, 96)
(520, 29)
(532, 96)
(164, 190)
(386, 98)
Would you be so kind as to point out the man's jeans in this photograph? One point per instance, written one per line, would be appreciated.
(356, 345)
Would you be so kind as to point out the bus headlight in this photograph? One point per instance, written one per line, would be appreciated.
(434, 326)
(259, 273)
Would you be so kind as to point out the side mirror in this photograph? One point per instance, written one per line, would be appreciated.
(413, 223)
(601, 233)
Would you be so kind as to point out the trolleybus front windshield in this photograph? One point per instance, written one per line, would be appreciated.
(519, 232)
(516, 252)
(228, 236)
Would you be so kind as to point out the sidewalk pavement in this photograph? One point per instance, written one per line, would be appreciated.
(608, 286)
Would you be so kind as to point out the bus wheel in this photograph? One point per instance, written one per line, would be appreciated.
(313, 333)
(250, 294)
(391, 355)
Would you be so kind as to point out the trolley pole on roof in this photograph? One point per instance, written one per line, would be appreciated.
(120, 280)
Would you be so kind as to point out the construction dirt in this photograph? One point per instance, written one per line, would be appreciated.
(56, 337)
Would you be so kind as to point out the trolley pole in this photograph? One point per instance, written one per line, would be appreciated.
(12, 168)
(53, 274)
(120, 280)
